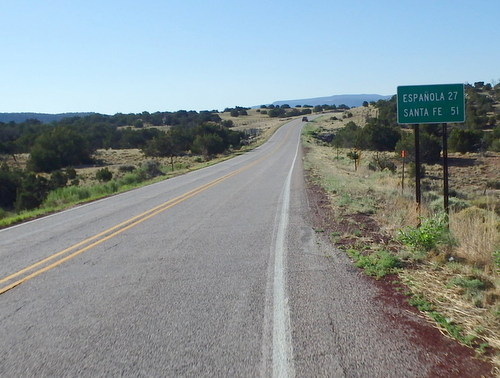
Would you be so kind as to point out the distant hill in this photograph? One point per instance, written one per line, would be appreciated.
(349, 100)
(42, 117)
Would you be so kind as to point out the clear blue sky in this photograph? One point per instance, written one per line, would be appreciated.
(127, 56)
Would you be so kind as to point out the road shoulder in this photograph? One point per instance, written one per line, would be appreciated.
(345, 323)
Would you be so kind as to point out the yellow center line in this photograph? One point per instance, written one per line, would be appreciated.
(47, 259)
(102, 240)
(120, 228)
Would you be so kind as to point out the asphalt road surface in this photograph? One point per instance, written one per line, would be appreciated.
(214, 273)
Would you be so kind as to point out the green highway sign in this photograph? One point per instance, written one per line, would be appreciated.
(440, 103)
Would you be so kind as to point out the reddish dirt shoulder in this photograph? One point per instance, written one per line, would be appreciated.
(450, 359)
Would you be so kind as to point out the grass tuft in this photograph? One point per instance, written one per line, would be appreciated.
(377, 264)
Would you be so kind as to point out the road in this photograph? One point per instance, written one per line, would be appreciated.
(214, 273)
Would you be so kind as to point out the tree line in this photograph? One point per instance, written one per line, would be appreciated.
(285, 110)
(57, 147)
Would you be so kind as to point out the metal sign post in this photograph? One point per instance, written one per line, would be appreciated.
(431, 104)
(418, 195)
(445, 169)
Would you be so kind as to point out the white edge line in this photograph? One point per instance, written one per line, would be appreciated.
(282, 344)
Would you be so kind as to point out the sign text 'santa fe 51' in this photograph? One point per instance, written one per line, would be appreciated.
(440, 103)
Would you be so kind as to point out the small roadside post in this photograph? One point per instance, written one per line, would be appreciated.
(431, 104)
(403, 156)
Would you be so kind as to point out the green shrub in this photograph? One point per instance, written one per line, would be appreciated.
(57, 148)
(10, 181)
(149, 169)
(104, 175)
(208, 145)
(382, 162)
(495, 145)
(126, 168)
(130, 179)
(430, 147)
(454, 203)
(412, 170)
(58, 179)
(464, 140)
(431, 232)
(71, 173)
(31, 193)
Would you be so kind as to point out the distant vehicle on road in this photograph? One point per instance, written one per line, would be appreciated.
(304, 119)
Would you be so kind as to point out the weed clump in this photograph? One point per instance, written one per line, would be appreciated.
(471, 286)
(432, 231)
(377, 264)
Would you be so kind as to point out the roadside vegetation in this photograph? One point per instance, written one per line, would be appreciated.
(46, 167)
(49, 167)
(449, 266)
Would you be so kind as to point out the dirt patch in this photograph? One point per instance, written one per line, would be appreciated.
(346, 229)
(449, 358)
(470, 174)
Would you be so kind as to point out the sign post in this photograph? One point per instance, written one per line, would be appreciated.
(445, 168)
(418, 195)
(426, 104)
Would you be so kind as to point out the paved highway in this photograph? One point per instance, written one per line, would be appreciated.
(214, 273)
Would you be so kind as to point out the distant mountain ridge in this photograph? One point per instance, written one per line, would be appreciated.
(346, 99)
(42, 117)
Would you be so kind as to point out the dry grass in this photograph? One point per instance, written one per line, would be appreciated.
(398, 212)
(478, 234)
(336, 120)
(17, 161)
(472, 174)
(255, 120)
(434, 283)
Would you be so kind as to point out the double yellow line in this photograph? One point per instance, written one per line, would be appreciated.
(62, 256)
(56, 259)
